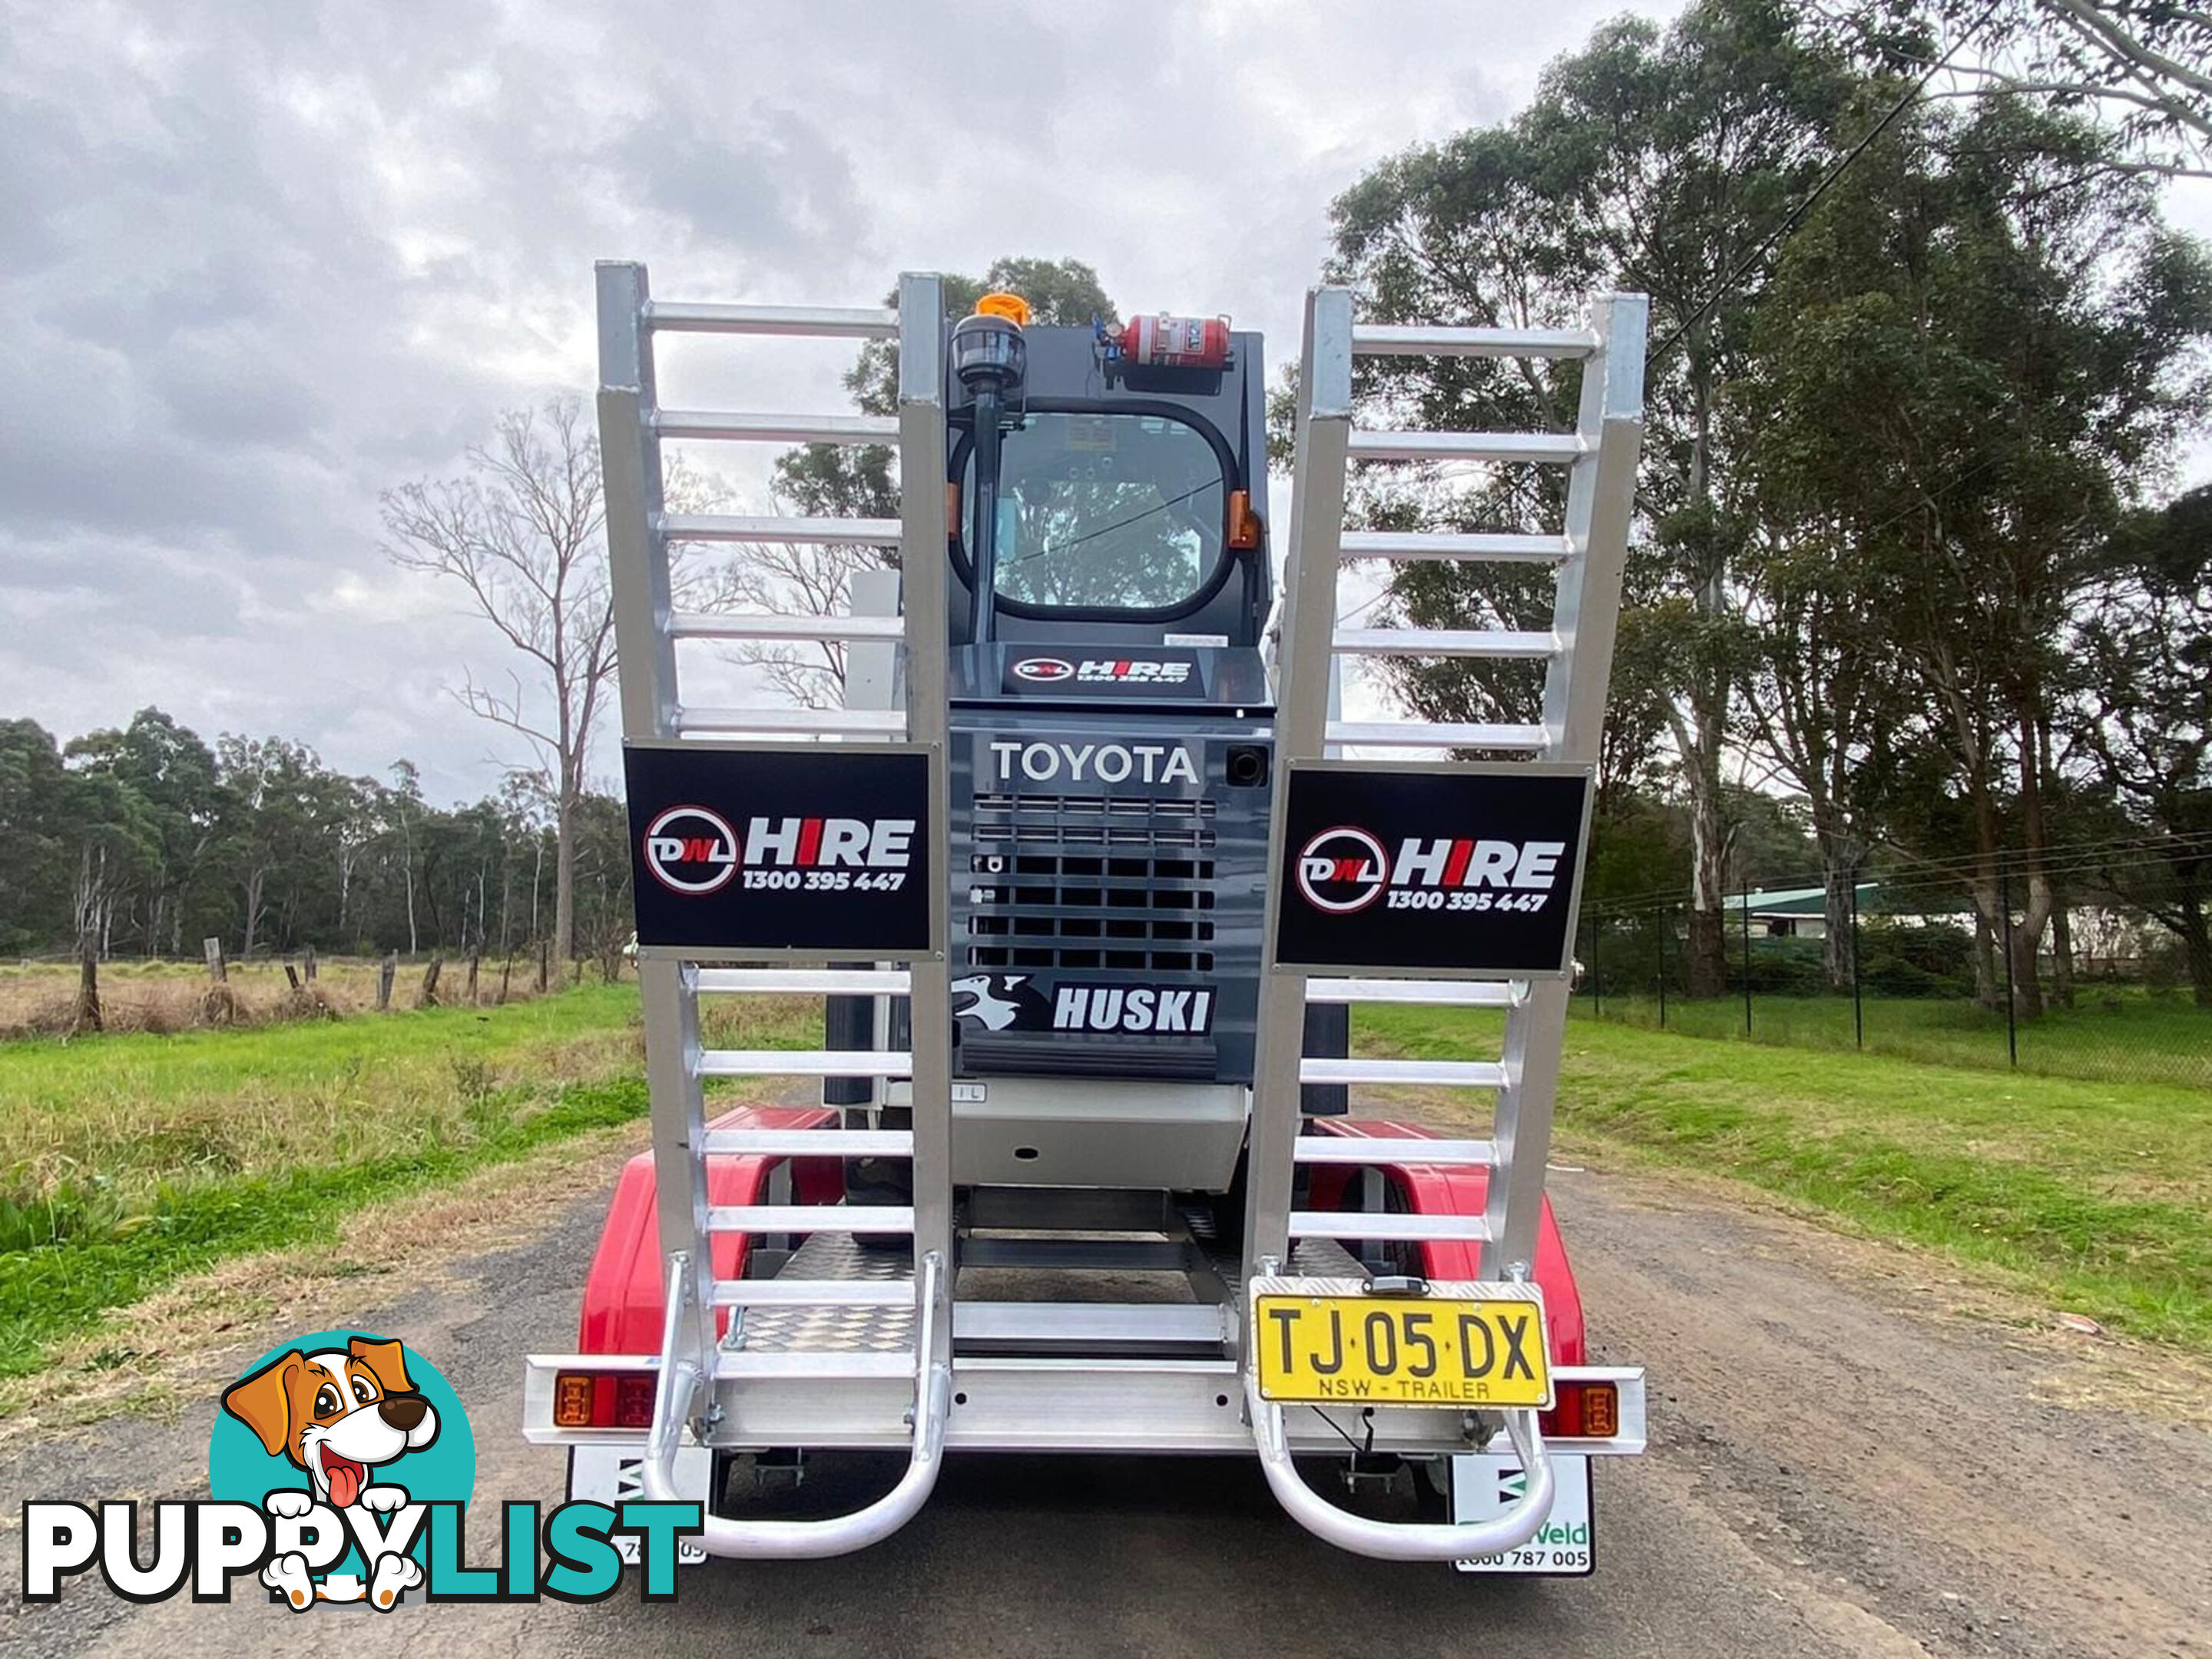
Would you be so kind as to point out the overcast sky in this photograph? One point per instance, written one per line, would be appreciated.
(261, 260)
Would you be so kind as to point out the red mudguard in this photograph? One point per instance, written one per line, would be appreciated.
(623, 1295)
(1429, 1189)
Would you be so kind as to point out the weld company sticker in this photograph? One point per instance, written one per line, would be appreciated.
(341, 1466)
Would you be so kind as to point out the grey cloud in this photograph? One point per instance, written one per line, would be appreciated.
(262, 259)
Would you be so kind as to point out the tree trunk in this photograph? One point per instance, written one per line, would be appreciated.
(1840, 858)
(86, 1017)
(407, 853)
(2036, 906)
(2062, 954)
(565, 877)
(1707, 969)
(2027, 958)
(1985, 960)
(2196, 949)
(1709, 686)
(253, 884)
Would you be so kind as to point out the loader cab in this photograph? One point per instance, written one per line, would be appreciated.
(1128, 508)
(1111, 727)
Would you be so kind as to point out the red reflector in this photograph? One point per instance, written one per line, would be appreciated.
(1585, 1411)
(634, 1400)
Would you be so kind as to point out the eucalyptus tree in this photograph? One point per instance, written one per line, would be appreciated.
(1664, 161)
(2144, 718)
(1979, 351)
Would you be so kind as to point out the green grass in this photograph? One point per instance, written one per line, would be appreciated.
(2096, 1193)
(2126, 1037)
(125, 1161)
(55, 1291)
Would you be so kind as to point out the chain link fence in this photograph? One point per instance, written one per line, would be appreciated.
(1990, 965)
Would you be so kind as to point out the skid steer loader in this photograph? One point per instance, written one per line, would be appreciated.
(1089, 891)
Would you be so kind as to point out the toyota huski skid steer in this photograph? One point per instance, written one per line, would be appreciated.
(1089, 893)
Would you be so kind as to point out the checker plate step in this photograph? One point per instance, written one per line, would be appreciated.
(802, 1329)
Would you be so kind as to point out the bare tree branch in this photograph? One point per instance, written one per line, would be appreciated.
(522, 534)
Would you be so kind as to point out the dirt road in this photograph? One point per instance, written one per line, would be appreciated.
(1843, 1462)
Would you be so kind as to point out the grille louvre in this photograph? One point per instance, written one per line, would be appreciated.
(1092, 882)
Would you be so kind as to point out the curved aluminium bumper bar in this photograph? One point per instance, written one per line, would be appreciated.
(1394, 1540)
(802, 1541)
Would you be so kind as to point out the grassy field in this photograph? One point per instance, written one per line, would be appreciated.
(125, 1161)
(2125, 1038)
(128, 1161)
(2096, 1193)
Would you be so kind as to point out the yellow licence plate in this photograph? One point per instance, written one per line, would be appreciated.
(1402, 1351)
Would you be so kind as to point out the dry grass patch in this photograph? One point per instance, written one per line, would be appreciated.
(162, 998)
(211, 1321)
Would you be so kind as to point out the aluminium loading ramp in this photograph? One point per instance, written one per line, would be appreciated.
(799, 1374)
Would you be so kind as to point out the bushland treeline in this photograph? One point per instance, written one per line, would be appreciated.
(149, 839)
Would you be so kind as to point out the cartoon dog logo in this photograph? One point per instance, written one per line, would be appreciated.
(340, 1414)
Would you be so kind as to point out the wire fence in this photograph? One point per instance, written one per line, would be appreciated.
(2083, 965)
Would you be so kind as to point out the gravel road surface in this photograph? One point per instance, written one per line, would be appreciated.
(1848, 1458)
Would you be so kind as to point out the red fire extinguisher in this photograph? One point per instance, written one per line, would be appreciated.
(1167, 341)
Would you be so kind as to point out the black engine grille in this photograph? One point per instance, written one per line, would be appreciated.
(1075, 881)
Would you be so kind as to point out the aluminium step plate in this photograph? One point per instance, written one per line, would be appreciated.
(801, 1329)
(1324, 1258)
(804, 1330)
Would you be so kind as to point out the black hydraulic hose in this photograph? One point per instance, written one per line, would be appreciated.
(983, 549)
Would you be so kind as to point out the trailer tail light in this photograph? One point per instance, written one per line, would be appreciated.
(634, 1400)
(571, 1400)
(1584, 1411)
(602, 1400)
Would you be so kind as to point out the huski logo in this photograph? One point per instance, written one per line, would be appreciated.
(1014, 1002)
(1102, 762)
(1342, 870)
(997, 1002)
(1134, 1010)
